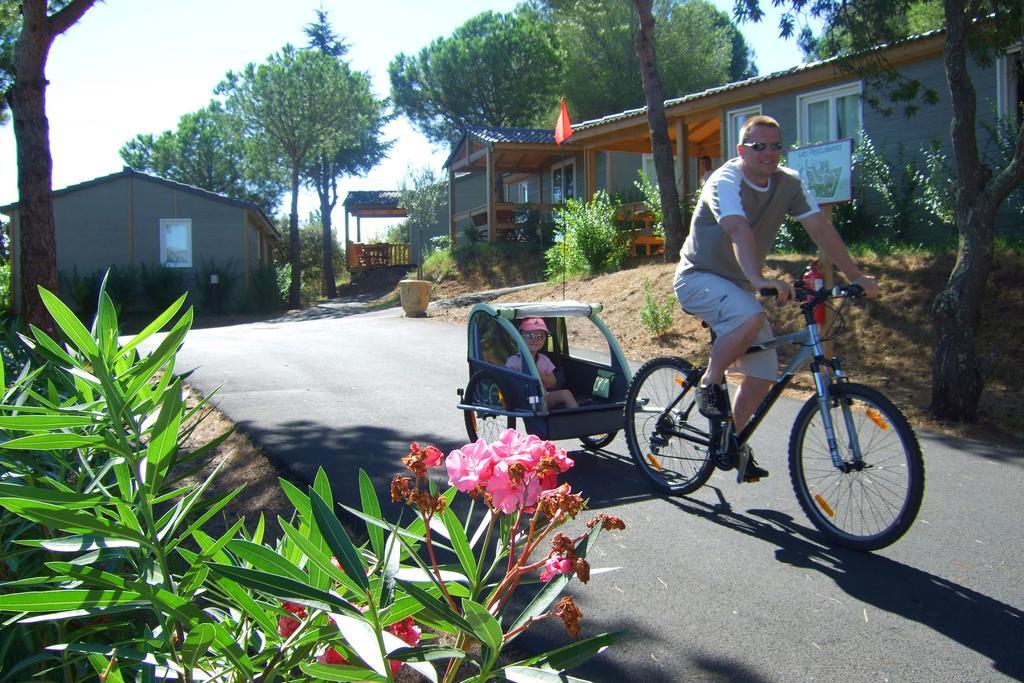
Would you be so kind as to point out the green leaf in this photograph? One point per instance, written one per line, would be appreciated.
(65, 599)
(248, 605)
(65, 499)
(438, 608)
(164, 437)
(71, 521)
(69, 323)
(486, 629)
(265, 559)
(573, 654)
(197, 642)
(338, 541)
(51, 442)
(85, 543)
(154, 326)
(362, 637)
(109, 671)
(284, 588)
(526, 674)
(541, 601)
(319, 558)
(371, 506)
(298, 499)
(340, 672)
(460, 543)
(32, 423)
(322, 486)
(51, 347)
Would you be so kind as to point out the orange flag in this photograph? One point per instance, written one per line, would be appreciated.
(563, 129)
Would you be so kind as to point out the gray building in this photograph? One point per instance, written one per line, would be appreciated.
(131, 218)
(814, 103)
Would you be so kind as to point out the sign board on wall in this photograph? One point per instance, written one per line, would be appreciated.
(825, 169)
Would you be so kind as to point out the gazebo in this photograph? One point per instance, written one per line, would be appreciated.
(373, 204)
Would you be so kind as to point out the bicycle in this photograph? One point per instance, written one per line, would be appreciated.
(854, 460)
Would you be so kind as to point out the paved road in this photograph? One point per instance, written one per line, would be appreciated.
(731, 583)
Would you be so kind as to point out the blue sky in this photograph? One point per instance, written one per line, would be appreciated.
(136, 66)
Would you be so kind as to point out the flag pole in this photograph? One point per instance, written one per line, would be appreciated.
(563, 130)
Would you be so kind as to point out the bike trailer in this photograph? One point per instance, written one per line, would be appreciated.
(497, 397)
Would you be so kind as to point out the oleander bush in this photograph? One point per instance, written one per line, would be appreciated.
(107, 572)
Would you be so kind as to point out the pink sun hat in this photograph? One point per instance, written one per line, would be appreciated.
(533, 324)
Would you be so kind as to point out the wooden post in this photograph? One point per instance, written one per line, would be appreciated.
(492, 213)
(451, 204)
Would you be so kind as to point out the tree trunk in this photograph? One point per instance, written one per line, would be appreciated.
(27, 100)
(958, 377)
(294, 287)
(330, 287)
(661, 146)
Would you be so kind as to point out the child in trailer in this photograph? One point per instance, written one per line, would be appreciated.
(535, 333)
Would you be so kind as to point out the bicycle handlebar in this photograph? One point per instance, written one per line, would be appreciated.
(803, 293)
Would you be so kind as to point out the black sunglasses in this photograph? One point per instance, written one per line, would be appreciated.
(762, 146)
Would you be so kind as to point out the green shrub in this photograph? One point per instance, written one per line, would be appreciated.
(656, 317)
(81, 291)
(119, 580)
(215, 298)
(265, 294)
(161, 286)
(652, 202)
(439, 265)
(592, 242)
(311, 257)
(6, 289)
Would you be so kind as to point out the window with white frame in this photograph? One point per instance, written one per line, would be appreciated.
(176, 242)
(1010, 85)
(518, 191)
(563, 181)
(734, 122)
(831, 114)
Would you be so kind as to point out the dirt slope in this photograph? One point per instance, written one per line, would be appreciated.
(887, 342)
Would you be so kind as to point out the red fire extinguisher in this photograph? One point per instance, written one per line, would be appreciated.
(814, 280)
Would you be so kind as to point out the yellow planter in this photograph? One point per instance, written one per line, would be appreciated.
(415, 295)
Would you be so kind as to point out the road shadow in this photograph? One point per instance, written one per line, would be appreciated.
(988, 626)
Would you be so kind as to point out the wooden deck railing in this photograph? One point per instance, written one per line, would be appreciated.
(365, 256)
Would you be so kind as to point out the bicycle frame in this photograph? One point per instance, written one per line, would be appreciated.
(810, 353)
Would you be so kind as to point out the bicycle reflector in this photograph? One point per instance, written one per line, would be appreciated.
(875, 417)
(823, 505)
(654, 462)
(680, 379)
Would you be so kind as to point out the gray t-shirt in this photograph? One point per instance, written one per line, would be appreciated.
(728, 193)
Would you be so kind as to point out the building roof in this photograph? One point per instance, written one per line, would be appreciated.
(514, 135)
(736, 85)
(129, 172)
(375, 198)
(494, 136)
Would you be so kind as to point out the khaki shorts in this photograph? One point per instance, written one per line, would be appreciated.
(724, 306)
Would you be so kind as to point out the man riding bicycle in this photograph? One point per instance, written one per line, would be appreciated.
(739, 213)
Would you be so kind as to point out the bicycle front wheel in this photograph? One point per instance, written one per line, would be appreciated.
(864, 505)
(661, 427)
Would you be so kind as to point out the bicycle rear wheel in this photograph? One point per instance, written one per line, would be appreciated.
(864, 508)
(485, 391)
(665, 442)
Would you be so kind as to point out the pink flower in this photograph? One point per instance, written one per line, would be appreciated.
(469, 466)
(433, 456)
(331, 656)
(512, 486)
(406, 630)
(286, 625)
(555, 566)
